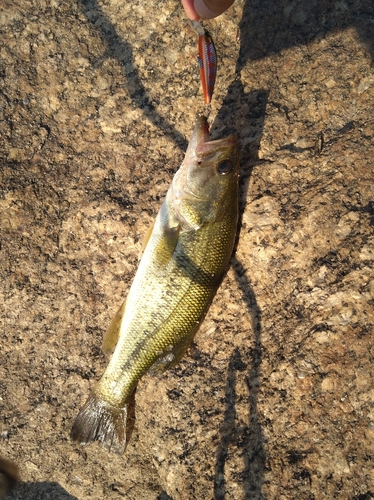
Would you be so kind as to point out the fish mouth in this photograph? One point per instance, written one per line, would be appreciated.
(200, 141)
(201, 130)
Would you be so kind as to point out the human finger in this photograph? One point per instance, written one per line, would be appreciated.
(190, 10)
(207, 9)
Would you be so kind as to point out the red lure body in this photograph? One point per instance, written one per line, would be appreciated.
(208, 65)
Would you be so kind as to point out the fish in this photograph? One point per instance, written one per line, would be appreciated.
(185, 257)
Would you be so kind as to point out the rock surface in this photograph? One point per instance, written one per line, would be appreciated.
(274, 400)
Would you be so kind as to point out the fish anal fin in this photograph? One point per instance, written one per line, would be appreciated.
(101, 421)
(111, 335)
(168, 358)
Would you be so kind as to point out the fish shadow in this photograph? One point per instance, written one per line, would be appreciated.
(38, 491)
(248, 438)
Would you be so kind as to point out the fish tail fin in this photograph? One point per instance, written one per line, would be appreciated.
(101, 421)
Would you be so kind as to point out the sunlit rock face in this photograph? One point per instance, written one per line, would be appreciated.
(274, 398)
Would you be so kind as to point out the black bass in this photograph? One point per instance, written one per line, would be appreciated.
(184, 261)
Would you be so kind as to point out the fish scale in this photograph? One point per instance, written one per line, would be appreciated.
(183, 263)
(145, 335)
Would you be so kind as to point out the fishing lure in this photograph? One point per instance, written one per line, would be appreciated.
(207, 60)
(208, 65)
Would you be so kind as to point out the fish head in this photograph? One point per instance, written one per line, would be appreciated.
(206, 186)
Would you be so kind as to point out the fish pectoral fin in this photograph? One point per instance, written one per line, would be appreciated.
(112, 334)
(169, 240)
(171, 237)
(101, 421)
(166, 245)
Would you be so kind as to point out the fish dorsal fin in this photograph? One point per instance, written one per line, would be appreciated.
(145, 240)
(112, 334)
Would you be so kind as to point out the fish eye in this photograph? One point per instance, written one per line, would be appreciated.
(224, 167)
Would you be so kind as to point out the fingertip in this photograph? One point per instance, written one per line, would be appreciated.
(188, 6)
(208, 9)
(202, 10)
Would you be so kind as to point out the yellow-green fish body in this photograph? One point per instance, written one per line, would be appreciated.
(181, 268)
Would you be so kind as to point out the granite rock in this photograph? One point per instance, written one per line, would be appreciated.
(274, 399)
